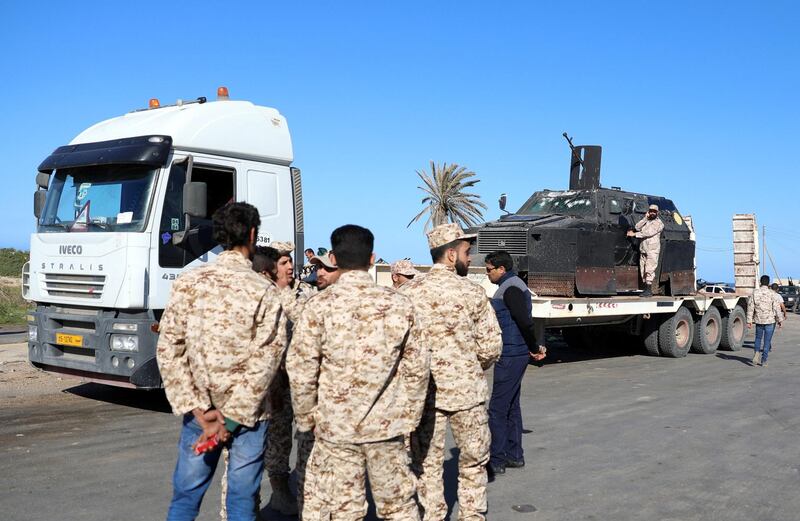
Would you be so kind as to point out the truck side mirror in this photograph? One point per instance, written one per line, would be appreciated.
(38, 202)
(502, 201)
(42, 180)
(195, 199)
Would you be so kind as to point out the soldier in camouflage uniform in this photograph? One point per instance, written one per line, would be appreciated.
(358, 371)
(402, 271)
(220, 345)
(648, 229)
(764, 310)
(465, 340)
(274, 262)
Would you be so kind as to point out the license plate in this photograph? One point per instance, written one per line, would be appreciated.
(69, 340)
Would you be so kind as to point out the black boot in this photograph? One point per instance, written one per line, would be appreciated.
(648, 291)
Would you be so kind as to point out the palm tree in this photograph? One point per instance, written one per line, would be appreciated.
(445, 197)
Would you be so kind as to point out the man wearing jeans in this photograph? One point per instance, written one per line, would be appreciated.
(763, 308)
(220, 344)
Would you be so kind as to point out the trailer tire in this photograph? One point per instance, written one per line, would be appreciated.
(650, 335)
(733, 330)
(675, 334)
(707, 332)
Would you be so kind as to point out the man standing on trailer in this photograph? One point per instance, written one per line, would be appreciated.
(219, 347)
(763, 308)
(648, 229)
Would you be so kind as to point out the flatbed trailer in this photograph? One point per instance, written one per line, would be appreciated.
(667, 326)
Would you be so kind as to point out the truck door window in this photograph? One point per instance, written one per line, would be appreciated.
(220, 184)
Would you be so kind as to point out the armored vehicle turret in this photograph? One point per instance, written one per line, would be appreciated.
(573, 242)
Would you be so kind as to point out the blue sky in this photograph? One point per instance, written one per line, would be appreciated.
(693, 101)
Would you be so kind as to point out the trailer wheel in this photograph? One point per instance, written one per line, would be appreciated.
(733, 329)
(650, 335)
(707, 332)
(675, 334)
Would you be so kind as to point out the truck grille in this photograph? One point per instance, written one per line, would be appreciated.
(512, 241)
(74, 286)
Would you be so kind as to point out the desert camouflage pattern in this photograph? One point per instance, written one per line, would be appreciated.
(307, 497)
(357, 364)
(339, 471)
(462, 330)
(763, 307)
(404, 267)
(279, 433)
(470, 429)
(447, 233)
(650, 247)
(221, 340)
(282, 246)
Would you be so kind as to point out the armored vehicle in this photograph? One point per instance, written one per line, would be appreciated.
(573, 242)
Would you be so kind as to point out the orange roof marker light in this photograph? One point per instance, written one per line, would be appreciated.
(222, 93)
(154, 103)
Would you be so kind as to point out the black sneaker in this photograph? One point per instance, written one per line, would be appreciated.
(515, 463)
(648, 291)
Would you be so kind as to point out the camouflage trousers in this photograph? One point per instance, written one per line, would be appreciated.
(336, 481)
(279, 434)
(647, 266)
(472, 437)
(306, 498)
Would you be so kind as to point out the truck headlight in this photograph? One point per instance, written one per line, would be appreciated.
(33, 334)
(127, 343)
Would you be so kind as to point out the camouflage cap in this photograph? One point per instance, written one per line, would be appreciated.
(282, 246)
(446, 233)
(653, 207)
(322, 259)
(404, 267)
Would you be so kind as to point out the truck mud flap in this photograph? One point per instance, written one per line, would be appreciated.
(147, 376)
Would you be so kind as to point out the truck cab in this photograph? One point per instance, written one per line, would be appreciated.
(125, 208)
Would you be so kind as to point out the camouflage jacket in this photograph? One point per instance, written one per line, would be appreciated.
(763, 307)
(650, 233)
(221, 340)
(358, 368)
(293, 299)
(463, 333)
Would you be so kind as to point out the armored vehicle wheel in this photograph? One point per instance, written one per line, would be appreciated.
(733, 329)
(707, 332)
(675, 334)
(650, 335)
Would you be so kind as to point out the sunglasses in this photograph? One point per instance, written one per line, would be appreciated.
(489, 270)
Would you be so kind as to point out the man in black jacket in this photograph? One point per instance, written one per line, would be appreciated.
(512, 304)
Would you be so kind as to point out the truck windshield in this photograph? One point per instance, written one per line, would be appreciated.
(98, 199)
(561, 203)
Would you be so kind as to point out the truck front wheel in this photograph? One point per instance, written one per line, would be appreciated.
(733, 329)
(675, 334)
(707, 332)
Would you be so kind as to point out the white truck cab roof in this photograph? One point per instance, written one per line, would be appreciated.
(227, 128)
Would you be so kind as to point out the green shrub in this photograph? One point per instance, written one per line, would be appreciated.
(11, 262)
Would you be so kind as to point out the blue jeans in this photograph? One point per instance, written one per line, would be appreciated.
(505, 415)
(764, 331)
(193, 473)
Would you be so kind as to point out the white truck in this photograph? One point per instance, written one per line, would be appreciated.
(125, 208)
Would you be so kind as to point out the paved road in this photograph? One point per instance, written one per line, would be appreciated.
(614, 437)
